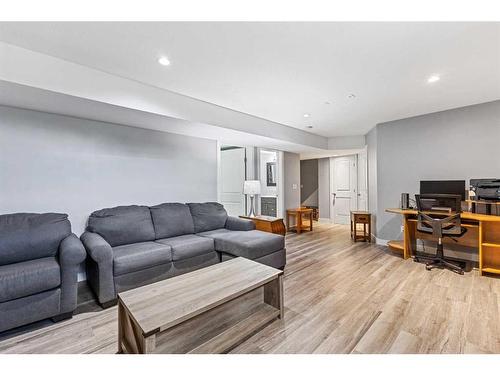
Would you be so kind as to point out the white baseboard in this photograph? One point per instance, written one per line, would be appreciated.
(324, 220)
(380, 241)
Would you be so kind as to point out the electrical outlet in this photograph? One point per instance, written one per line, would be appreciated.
(402, 228)
(294, 186)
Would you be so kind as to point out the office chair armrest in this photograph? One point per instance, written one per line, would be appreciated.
(426, 217)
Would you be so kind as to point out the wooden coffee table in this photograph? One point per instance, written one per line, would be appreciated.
(210, 310)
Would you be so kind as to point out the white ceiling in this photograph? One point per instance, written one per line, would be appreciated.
(279, 71)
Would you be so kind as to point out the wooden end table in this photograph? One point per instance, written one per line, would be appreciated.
(298, 214)
(268, 224)
(364, 218)
(210, 310)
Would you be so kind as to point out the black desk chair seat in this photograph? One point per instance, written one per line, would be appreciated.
(431, 208)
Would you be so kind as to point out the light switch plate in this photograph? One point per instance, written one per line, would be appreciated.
(294, 186)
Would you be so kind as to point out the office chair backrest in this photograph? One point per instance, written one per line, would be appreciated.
(439, 214)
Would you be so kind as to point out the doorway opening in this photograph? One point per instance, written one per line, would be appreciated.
(270, 176)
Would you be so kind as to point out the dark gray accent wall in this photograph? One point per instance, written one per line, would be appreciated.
(309, 182)
(461, 143)
(64, 164)
(324, 188)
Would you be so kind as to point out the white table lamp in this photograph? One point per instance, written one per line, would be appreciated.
(252, 188)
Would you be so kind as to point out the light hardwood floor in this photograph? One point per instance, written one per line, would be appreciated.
(340, 297)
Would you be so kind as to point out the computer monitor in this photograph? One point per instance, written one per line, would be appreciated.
(456, 187)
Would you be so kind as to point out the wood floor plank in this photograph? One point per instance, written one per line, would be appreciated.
(340, 297)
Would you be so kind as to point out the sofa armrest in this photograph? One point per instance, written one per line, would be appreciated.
(99, 266)
(236, 223)
(97, 247)
(71, 251)
(71, 255)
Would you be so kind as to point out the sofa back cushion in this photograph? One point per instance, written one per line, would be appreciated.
(122, 225)
(27, 236)
(171, 220)
(208, 216)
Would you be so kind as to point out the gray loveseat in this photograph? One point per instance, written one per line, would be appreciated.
(39, 262)
(130, 246)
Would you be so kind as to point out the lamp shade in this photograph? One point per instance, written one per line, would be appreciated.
(251, 187)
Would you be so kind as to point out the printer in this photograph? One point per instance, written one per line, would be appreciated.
(486, 188)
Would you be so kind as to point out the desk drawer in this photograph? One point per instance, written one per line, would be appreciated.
(362, 219)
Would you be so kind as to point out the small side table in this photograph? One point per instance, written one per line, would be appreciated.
(315, 212)
(364, 218)
(269, 224)
(298, 214)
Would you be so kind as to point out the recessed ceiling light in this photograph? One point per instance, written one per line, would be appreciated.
(351, 96)
(433, 78)
(309, 126)
(306, 115)
(164, 61)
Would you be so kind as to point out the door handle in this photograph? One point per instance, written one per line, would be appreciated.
(334, 196)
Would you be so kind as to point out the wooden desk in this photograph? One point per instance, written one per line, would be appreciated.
(488, 206)
(298, 214)
(483, 233)
(269, 224)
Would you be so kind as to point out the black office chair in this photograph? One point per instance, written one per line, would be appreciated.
(439, 214)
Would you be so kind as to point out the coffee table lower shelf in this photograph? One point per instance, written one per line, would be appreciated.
(234, 335)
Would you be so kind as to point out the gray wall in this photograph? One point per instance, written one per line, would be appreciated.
(291, 171)
(64, 164)
(371, 142)
(309, 182)
(324, 188)
(461, 144)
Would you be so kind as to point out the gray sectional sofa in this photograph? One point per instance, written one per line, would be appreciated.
(39, 262)
(130, 246)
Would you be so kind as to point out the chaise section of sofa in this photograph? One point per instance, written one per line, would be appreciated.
(130, 246)
(235, 237)
(39, 263)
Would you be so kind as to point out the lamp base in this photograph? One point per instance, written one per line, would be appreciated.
(252, 209)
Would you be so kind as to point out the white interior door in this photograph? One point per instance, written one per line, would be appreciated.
(362, 181)
(343, 200)
(232, 174)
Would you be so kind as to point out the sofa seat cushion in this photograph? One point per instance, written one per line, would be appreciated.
(139, 256)
(26, 278)
(250, 244)
(189, 246)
